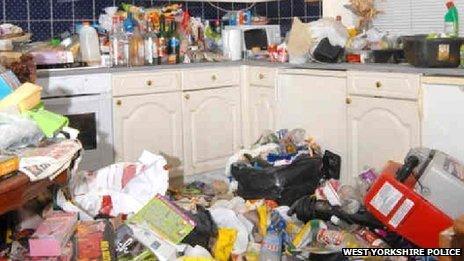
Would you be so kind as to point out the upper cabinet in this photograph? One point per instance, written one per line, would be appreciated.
(212, 128)
(150, 122)
(315, 103)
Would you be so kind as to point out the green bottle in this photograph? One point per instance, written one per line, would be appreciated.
(451, 20)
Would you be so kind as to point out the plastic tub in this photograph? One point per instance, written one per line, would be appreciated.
(437, 52)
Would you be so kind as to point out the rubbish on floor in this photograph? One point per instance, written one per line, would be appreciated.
(95, 240)
(52, 235)
(165, 219)
(294, 210)
(402, 210)
(129, 186)
(440, 180)
(282, 166)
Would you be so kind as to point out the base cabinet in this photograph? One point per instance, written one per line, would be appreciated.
(212, 131)
(150, 122)
(316, 104)
(380, 130)
(262, 110)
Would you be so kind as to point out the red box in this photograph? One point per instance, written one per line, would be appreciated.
(404, 211)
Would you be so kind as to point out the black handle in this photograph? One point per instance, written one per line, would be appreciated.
(410, 163)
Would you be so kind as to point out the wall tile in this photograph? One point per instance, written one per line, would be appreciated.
(299, 8)
(41, 31)
(83, 9)
(285, 8)
(39, 9)
(273, 9)
(16, 10)
(62, 10)
(45, 21)
(261, 9)
(60, 27)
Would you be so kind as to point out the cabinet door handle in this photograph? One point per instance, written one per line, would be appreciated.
(214, 77)
(187, 96)
(348, 100)
(378, 84)
(119, 102)
(261, 76)
(149, 82)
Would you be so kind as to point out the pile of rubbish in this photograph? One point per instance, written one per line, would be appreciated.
(283, 202)
(33, 140)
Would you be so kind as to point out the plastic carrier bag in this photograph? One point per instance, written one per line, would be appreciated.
(285, 184)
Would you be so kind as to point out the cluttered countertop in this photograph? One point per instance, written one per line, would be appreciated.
(373, 67)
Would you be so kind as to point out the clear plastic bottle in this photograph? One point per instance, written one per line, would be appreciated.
(136, 48)
(151, 45)
(119, 43)
(90, 47)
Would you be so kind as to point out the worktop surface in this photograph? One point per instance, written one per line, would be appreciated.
(394, 68)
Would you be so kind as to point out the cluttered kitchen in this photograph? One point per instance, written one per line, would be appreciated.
(231, 130)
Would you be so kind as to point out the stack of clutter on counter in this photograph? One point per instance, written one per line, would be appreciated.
(282, 201)
(33, 140)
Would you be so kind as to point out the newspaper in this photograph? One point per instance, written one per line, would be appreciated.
(48, 161)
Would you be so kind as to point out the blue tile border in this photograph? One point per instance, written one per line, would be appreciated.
(48, 18)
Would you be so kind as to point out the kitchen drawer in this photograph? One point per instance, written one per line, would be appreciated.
(210, 78)
(392, 85)
(262, 76)
(75, 84)
(142, 83)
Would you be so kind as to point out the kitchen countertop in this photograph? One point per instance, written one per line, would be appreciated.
(395, 68)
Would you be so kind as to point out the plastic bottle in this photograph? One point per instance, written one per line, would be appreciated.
(271, 250)
(119, 44)
(90, 48)
(337, 239)
(136, 48)
(151, 45)
(451, 20)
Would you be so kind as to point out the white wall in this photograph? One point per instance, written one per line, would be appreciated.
(334, 8)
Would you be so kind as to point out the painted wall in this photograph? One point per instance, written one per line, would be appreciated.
(47, 18)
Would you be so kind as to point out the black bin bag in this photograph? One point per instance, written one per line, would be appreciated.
(284, 184)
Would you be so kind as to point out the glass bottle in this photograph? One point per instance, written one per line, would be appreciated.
(119, 43)
(151, 45)
(162, 47)
(174, 44)
(136, 48)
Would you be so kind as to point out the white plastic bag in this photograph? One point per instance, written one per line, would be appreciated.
(329, 28)
(17, 132)
(129, 185)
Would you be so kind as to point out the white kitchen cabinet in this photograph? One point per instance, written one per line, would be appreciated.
(379, 130)
(442, 124)
(317, 104)
(150, 122)
(262, 110)
(212, 128)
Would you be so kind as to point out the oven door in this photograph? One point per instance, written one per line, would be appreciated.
(92, 116)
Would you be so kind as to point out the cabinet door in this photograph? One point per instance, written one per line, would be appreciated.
(316, 104)
(380, 130)
(442, 125)
(149, 122)
(211, 128)
(262, 111)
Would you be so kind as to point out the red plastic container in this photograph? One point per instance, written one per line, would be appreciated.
(404, 211)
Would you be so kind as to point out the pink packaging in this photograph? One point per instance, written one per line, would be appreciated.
(52, 235)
